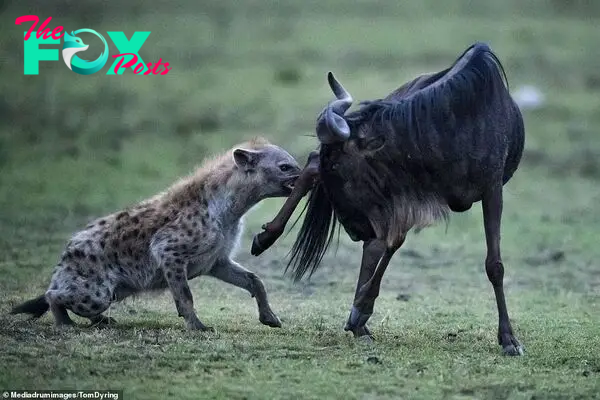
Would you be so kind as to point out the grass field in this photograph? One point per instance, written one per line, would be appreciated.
(75, 147)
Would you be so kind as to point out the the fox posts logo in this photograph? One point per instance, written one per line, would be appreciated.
(128, 56)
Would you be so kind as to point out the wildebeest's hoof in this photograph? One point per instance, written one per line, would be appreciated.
(363, 334)
(357, 324)
(257, 247)
(357, 319)
(208, 329)
(269, 319)
(513, 350)
(265, 239)
(512, 347)
(365, 339)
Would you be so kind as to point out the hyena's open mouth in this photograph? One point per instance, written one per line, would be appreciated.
(289, 183)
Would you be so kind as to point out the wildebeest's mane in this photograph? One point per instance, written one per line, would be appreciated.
(474, 80)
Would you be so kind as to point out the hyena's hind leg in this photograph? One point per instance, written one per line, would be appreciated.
(58, 308)
(231, 272)
(87, 295)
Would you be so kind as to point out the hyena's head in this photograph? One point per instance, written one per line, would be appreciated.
(267, 169)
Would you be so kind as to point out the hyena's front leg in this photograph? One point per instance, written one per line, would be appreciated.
(175, 272)
(231, 272)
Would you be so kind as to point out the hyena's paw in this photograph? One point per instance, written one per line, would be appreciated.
(197, 325)
(102, 321)
(269, 318)
(64, 326)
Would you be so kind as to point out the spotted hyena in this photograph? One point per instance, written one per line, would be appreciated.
(191, 229)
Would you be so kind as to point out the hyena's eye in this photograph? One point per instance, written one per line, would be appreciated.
(285, 167)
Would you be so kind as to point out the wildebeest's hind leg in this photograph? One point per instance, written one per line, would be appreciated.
(274, 229)
(369, 291)
(492, 215)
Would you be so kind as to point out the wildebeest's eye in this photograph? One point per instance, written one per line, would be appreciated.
(285, 167)
(371, 144)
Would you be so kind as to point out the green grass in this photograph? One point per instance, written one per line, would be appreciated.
(75, 147)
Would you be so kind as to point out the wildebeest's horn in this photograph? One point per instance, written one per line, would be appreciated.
(331, 126)
(344, 100)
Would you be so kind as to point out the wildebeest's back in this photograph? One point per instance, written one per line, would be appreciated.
(515, 146)
(470, 133)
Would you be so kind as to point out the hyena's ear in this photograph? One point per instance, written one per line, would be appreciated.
(246, 159)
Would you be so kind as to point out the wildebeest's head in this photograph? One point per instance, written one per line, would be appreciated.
(356, 132)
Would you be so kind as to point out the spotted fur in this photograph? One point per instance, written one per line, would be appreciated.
(189, 230)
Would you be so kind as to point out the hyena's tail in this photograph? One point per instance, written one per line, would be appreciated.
(36, 307)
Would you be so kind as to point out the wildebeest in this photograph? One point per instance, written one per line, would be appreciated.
(437, 144)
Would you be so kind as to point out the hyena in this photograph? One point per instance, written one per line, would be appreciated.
(190, 229)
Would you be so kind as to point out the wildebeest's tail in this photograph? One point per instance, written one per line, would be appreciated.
(315, 235)
(36, 307)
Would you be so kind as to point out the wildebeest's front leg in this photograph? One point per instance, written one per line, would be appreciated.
(368, 292)
(492, 213)
(274, 229)
(372, 253)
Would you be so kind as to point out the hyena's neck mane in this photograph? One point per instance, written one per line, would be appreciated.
(218, 185)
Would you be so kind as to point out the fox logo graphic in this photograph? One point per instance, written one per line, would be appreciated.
(72, 44)
(128, 50)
